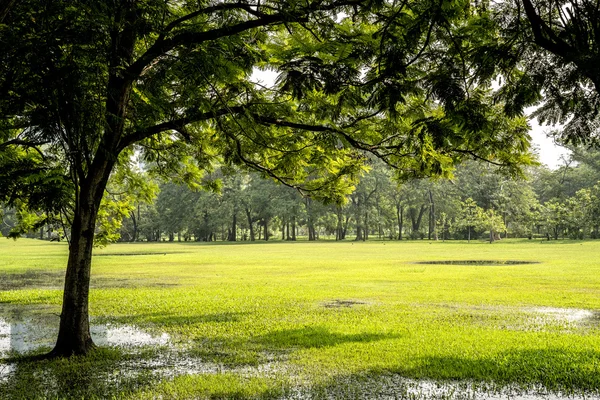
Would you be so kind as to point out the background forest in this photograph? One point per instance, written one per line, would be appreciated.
(237, 205)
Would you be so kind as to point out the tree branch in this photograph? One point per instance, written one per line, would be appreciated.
(163, 45)
(209, 10)
(545, 36)
(24, 143)
(177, 125)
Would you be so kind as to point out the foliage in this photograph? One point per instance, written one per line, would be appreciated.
(545, 53)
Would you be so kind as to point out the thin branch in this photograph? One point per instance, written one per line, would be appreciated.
(210, 10)
(478, 157)
(24, 143)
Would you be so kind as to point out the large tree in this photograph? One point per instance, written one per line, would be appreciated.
(85, 85)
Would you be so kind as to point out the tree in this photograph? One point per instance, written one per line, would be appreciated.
(547, 52)
(85, 85)
(470, 216)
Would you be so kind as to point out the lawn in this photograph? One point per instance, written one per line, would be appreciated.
(309, 320)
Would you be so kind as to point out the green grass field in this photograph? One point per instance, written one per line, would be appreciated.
(313, 320)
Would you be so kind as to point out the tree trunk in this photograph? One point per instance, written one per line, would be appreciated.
(266, 226)
(250, 224)
(359, 233)
(293, 228)
(431, 217)
(310, 221)
(400, 217)
(416, 219)
(339, 227)
(74, 331)
(134, 221)
(232, 236)
(366, 226)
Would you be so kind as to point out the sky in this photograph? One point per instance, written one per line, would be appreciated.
(550, 153)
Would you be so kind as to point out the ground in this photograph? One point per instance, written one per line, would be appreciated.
(309, 320)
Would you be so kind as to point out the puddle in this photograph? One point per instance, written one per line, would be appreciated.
(28, 335)
(22, 337)
(130, 254)
(342, 303)
(477, 262)
(390, 387)
(126, 336)
(31, 278)
(142, 253)
(570, 315)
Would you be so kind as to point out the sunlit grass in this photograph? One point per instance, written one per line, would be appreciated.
(323, 312)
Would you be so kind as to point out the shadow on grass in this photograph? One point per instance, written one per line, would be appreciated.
(554, 369)
(567, 375)
(166, 319)
(315, 337)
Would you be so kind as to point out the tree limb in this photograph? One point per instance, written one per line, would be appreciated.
(24, 143)
(164, 45)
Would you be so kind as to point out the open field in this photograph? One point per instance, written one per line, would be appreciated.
(309, 320)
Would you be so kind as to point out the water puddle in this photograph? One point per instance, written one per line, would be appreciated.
(390, 387)
(477, 262)
(566, 318)
(342, 303)
(126, 336)
(28, 335)
(571, 315)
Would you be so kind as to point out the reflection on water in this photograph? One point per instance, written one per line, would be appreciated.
(126, 336)
(24, 336)
(571, 315)
(388, 387)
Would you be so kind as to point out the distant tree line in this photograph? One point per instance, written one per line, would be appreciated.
(234, 205)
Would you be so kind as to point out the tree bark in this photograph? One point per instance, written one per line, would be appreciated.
(250, 223)
(74, 336)
(312, 235)
(339, 227)
(416, 219)
(400, 217)
(266, 227)
(293, 238)
(232, 237)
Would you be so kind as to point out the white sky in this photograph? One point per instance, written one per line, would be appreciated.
(549, 153)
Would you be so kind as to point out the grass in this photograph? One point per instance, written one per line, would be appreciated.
(325, 319)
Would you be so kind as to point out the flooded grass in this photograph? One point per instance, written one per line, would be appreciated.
(477, 262)
(31, 279)
(342, 303)
(309, 321)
